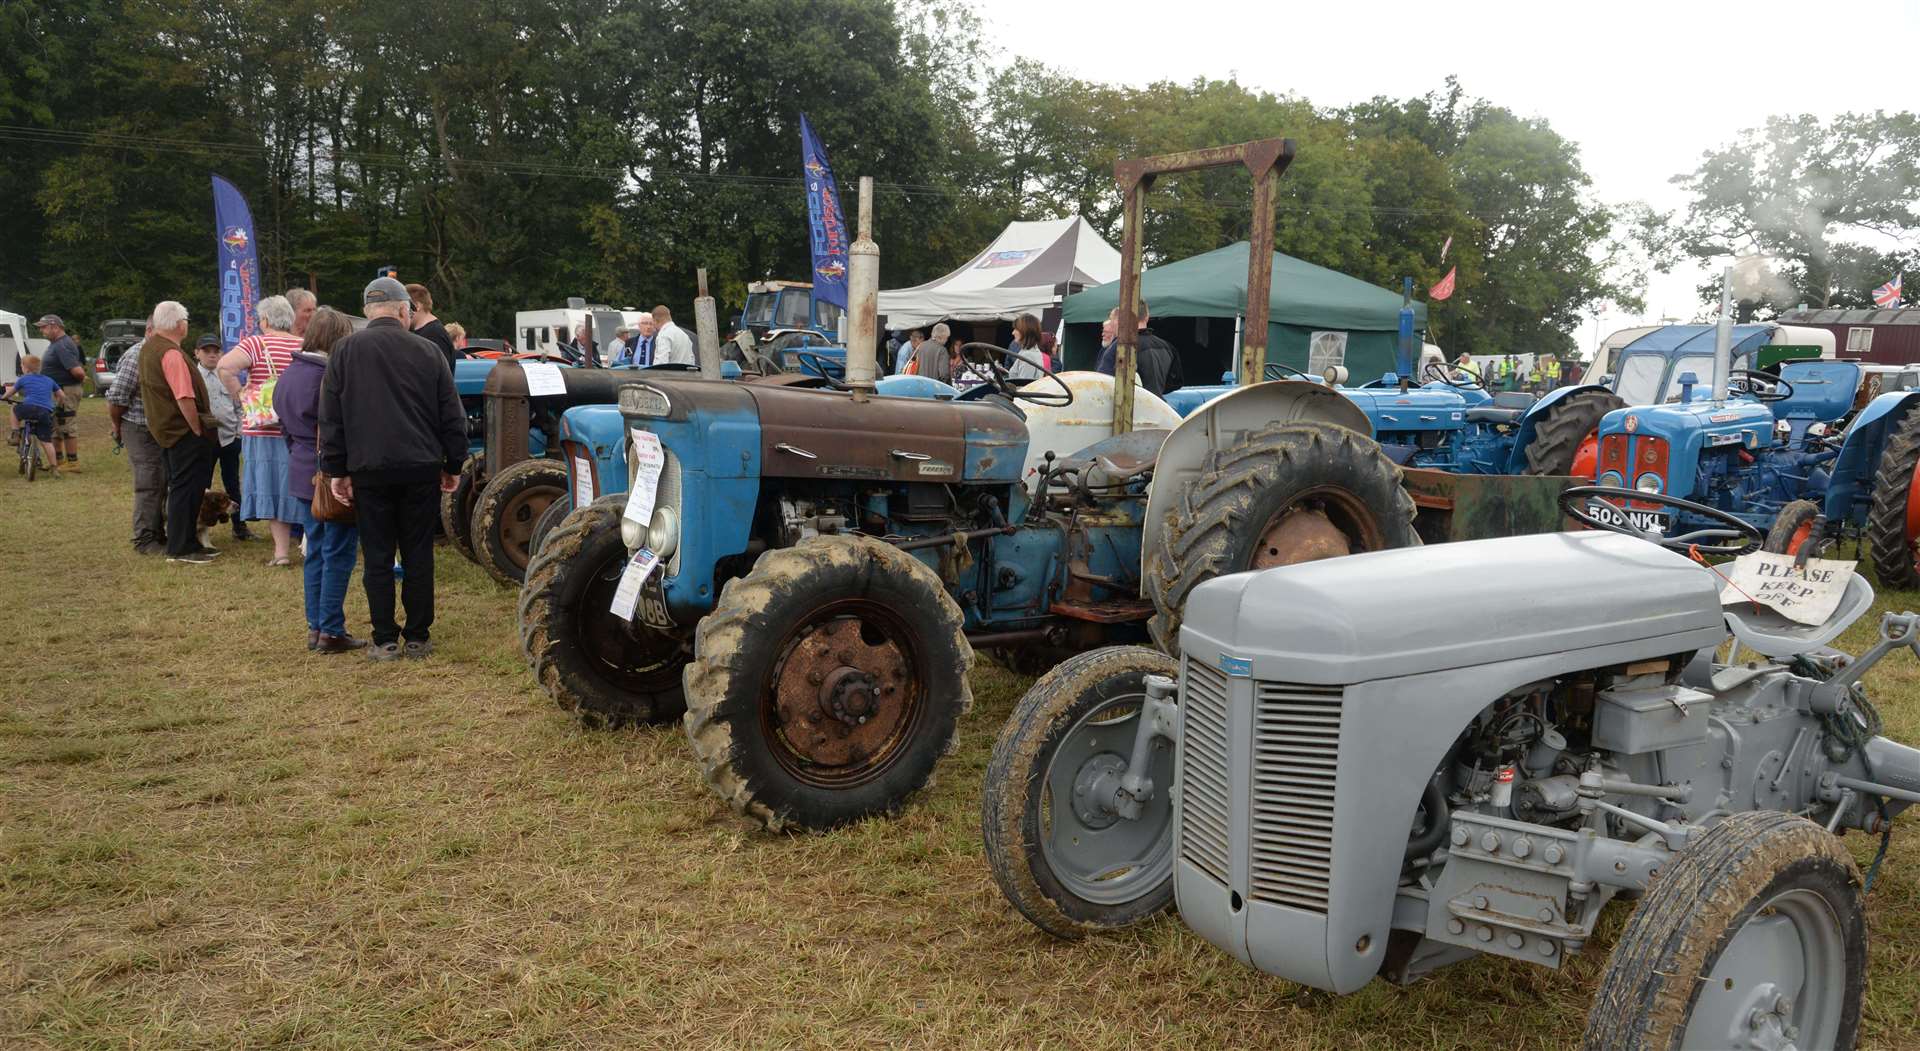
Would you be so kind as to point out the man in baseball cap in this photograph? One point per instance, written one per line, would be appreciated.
(392, 437)
(63, 363)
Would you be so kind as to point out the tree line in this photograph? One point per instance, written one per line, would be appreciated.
(511, 153)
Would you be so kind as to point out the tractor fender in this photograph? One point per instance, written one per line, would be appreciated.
(1851, 488)
(1222, 421)
(1517, 459)
(596, 443)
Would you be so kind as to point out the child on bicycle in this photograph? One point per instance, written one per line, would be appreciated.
(33, 409)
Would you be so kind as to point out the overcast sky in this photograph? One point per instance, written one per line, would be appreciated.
(1643, 88)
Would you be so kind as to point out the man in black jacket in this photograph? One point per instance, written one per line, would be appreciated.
(392, 437)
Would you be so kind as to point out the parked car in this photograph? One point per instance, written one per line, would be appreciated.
(116, 336)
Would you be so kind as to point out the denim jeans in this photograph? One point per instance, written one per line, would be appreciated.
(331, 550)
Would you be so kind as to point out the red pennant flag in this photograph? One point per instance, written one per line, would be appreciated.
(1445, 287)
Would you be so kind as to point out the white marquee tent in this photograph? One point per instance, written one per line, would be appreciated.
(1024, 271)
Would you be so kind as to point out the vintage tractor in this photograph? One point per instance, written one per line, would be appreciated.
(1329, 809)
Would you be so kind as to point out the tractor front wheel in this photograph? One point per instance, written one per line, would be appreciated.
(1565, 429)
(1791, 528)
(505, 513)
(1755, 936)
(827, 683)
(456, 508)
(1061, 854)
(1289, 493)
(1893, 522)
(603, 669)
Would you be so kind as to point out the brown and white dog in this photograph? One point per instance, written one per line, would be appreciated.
(215, 507)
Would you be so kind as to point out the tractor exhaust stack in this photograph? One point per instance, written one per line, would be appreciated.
(706, 331)
(863, 296)
(1723, 339)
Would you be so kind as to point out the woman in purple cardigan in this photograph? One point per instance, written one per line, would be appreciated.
(331, 546)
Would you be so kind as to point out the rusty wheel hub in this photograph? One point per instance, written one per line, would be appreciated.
(1299, 534)
(843, 693)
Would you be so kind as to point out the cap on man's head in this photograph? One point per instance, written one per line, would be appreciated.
(50, 319)
(207, 339)
(384, 290)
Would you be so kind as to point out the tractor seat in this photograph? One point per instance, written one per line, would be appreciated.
(1506, 408)
(1119, 459)
(1772, 635)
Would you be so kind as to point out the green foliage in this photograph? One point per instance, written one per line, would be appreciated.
(1827, 203)
(511, 153)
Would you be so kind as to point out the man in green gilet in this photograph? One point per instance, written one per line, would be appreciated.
(181, 420)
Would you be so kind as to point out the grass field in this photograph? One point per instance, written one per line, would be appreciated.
(212, 839)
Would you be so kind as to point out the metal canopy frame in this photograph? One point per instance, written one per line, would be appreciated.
(1266, 160)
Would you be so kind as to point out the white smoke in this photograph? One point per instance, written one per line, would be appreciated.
(1755, 279)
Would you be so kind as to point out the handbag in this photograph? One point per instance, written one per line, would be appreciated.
(257, 406)
(327, 507)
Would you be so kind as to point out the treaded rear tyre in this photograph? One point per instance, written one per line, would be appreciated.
(505, 513)
(1012, 825)
(1893, 551)
(551, 518)
(456, 508)
(752, 718)
(1567, 423)
(1242, 490)
(1656, 977)
(583, 656)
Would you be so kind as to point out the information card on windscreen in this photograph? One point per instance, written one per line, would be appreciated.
(543, 379)
(648, 458)
(1806, 595)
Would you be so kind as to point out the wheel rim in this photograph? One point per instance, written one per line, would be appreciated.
(1094, 853)
(845, 696)
(1780, 981)
(517, 517)
(1320, 523)
(1800, 535)
(1586, 459)
(634, 656)
(1913, 514)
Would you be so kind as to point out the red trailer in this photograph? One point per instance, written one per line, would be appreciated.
(1881, 337)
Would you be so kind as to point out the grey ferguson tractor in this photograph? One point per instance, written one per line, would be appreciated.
(1382, 764)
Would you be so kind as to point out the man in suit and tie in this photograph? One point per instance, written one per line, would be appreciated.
(639, 349)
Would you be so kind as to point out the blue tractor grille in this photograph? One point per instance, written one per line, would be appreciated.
(1296, 746)
(1204, 802)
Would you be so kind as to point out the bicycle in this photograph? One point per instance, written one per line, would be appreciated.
(21, 438)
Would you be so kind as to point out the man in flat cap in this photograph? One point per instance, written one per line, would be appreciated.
(392, 436)
(64, 364)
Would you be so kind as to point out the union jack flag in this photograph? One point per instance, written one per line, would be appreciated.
(1888, 295)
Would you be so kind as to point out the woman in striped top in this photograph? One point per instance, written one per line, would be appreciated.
(253, 363)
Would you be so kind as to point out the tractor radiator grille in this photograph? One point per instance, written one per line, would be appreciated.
(1296, 743)
(1203, 770)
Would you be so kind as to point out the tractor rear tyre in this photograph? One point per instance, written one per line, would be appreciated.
(549, 519)
(606, 671)
(1567, 425)
(1072, 866)
(1755, 936)
(827, 683)
(1893, 522)
(1792, 527)
(456, 508)
(504, 515)
(1289, 493)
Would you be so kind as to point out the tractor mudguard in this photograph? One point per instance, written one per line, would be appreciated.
(1851, 487)
(593, 442)
(1222, 421)
(1517, 458)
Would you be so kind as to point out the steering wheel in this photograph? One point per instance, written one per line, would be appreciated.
(1446, 374)
(1711, 541)
(821, 367)
(1273, 370)
(1000, 381)
(1751, 384)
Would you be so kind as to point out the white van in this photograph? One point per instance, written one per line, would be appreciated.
(542, 331)
(17, 340)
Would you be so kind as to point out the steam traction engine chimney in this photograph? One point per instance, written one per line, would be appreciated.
(863, 296)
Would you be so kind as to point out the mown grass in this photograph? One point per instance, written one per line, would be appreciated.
(210, 839)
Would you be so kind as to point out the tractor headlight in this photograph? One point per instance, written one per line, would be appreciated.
(631, 533)
(1648, 483)
(638, 399)
(663, 535)
(1612, 478)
